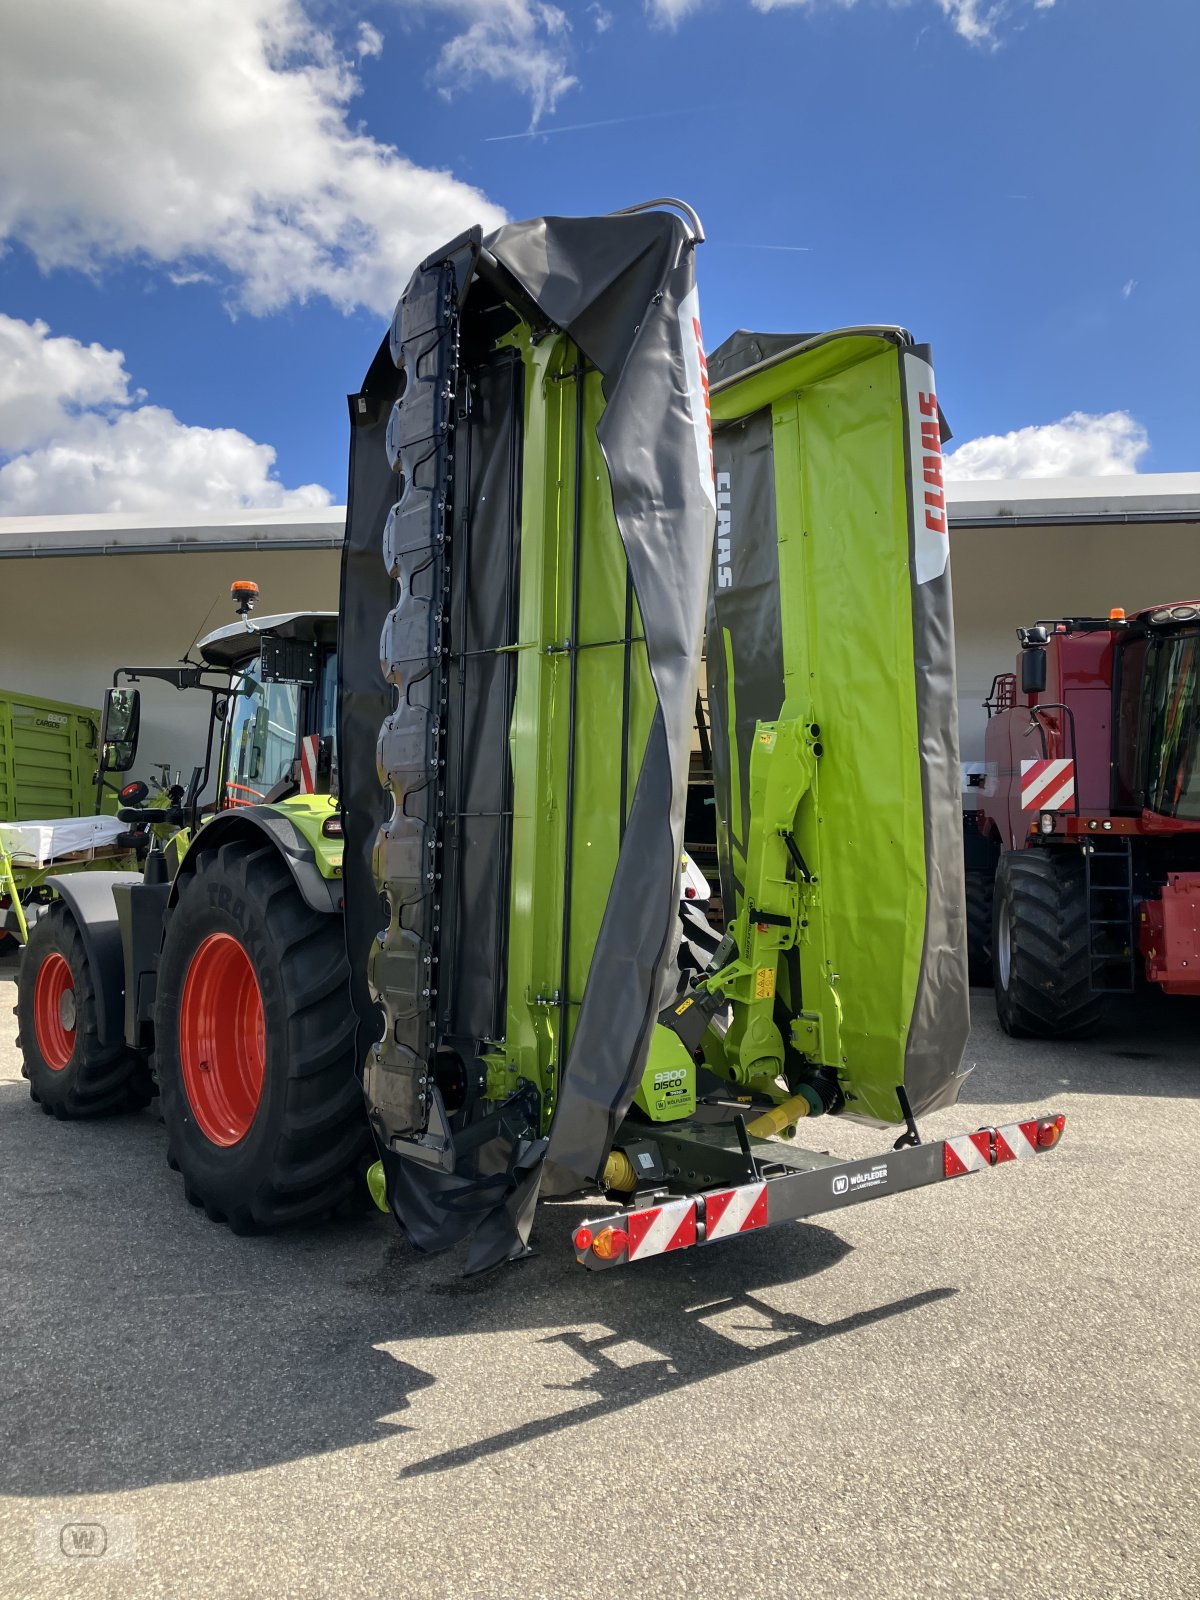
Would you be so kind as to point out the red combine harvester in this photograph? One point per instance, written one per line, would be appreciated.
(1086, 840)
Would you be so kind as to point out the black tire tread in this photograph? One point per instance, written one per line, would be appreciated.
(1049, 994)
(99, 1080)
(321, 1149)
(979, 925)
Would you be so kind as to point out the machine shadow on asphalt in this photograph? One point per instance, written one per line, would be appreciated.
(692, 1316)
(152, 1347)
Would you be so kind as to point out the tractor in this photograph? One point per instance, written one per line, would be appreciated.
(430, 931)
(1087, 830)
(217, 977)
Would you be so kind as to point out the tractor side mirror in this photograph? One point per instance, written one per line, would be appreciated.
(120, 721)
(1033, 669)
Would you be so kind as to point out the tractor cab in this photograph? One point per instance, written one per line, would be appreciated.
(272, 682)
(281, 715)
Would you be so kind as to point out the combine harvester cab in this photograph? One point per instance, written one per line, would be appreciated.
(531, 454)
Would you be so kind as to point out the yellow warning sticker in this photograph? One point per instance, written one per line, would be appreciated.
(764, 983)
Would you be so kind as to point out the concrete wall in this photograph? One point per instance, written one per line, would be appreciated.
(1008, 577)
(65, 623)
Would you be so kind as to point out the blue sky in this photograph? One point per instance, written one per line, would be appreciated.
(230, 193)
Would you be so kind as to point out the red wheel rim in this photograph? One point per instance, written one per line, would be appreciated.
(222, 1039)
(54, 1011)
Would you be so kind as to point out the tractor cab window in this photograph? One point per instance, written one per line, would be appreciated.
(261, 736)
(1173, 727)
(328, 727)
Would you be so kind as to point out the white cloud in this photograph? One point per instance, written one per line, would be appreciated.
(212, 136)
(46, 381)
(602, 20)
(672, 12)
(973, 20)
(74, 437)
(1128, 287)
(524, 43)
(1079, 446)
(370, 41)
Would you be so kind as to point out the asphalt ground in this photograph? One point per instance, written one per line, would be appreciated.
(987, 1388)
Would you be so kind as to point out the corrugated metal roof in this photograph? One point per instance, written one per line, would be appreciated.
(117, 533)
(1049, 502)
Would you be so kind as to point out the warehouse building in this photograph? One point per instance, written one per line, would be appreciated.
(82, 595)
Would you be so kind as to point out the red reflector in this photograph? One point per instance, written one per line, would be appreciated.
(583, 1239)
(1050, 1131)
(689, 893)
(609, 1243)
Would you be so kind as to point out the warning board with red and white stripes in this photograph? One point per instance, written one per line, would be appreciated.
(657, 1229)
(1047, 785)
(969, 1152)
(730, 1211)
(988, 1147)
(1016, 1140)
(801, 1188)
(309, 748)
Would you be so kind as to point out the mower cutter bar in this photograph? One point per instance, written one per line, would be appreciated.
(676, 1222)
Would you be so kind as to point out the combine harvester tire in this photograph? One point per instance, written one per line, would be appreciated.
(979, 926)
(1040, 947)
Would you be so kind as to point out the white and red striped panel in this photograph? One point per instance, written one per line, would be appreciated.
(988, 1147)
(1047, 785)
(656, 1230)
(673, 1225)
(969, 1152)
(1016, 1140)
(730, 1211)
(309, 750)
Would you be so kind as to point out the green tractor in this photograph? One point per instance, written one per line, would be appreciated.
(431, 930)
(217, 976)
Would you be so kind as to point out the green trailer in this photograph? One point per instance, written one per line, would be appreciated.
(49, 752)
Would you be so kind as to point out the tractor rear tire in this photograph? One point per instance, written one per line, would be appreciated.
(1040, 945)
(254, 1045)
(979, 926)
(71, 1074)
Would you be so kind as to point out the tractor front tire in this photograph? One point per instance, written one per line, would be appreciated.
(1040, 946)
(979, 926)
(71, 1074)
(254, 1046)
